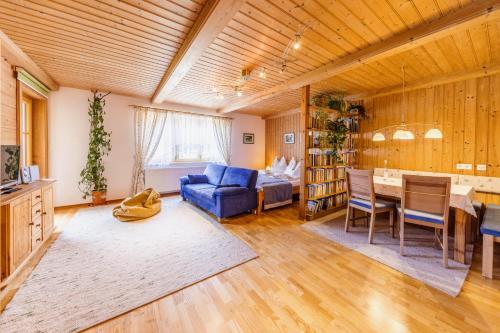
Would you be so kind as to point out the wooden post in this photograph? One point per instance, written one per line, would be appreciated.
(304, 142)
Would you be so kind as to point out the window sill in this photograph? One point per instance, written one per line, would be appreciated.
(179, 165)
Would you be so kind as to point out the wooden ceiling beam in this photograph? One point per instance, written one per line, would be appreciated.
(431, 82)
(213, 18)
(469, 15)
(16, 57)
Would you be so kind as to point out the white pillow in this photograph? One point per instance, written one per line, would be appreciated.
(296, 171)
(275, 162)
(280, 168)
(291, 166)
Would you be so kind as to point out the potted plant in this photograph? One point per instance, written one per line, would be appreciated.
(356, 110)
(92, 180)
(337, 103)
(336, 135)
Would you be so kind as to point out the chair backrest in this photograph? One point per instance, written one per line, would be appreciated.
(360, 184)
(426, 194)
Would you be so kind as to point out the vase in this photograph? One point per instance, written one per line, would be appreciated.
(98, 198)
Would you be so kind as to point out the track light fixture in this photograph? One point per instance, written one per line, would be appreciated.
(262, 73)
(296, 42)
(238, 91)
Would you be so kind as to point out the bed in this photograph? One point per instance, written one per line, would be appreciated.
(275, 191)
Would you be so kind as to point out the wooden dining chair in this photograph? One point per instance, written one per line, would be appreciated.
(425, 201)
(361, 196)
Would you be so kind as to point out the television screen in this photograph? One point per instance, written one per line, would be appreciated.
(9, 164)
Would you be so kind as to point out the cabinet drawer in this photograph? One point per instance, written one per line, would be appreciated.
(37, 221)
(36, 239)
(36, 231)
(36, 196)
(36, 210)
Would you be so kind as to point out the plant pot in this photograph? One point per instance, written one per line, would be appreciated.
(98, 198)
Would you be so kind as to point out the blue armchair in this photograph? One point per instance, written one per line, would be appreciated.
(223, 191)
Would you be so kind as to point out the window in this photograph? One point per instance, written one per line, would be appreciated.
(186, 138)
(25, 131)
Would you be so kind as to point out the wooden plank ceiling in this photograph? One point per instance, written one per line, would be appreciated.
(126, 46)
(120, 46)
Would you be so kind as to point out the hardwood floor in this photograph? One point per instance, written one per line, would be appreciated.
(303, 283)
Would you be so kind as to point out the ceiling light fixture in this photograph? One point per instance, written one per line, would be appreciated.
(296, 42)
(238, 91)
(262, 73)
(283, 67)
(433, 133)
(378, 137)
(214, 89)
(403, 133)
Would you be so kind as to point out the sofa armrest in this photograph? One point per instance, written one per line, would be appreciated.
(184, 180)
(230, 191)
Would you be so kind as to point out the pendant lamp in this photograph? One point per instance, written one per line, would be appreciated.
(403, 133)
(378, 137)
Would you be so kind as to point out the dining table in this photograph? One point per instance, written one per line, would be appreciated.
(461, 198)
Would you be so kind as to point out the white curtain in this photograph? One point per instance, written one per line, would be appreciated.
(222, 133)
(149, 131)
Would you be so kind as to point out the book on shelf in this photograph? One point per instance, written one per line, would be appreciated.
(317, 206)
(324, 189)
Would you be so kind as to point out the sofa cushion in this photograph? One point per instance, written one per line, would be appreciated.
(214, 173)
(230, 191)
(198, 179)
(240, 176)
(227, 185)
(491, 221)
(201, 192)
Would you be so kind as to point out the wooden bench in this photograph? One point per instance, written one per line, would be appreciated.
(491, 234)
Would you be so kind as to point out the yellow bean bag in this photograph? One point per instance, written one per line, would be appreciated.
(142, 205)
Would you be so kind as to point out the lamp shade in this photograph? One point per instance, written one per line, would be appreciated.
(401, 134)
(433, 133)
(378, 137)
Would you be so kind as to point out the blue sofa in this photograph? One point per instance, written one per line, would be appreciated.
(223, 191)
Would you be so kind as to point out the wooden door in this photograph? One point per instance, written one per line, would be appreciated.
(21, 230)
(47, 211)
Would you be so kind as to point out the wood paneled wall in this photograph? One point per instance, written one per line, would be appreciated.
(8, 123)
(275, 143)
(468, 113)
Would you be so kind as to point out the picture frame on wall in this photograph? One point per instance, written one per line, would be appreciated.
(289, 138)
(248, 138)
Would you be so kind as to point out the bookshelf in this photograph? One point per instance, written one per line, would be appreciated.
(324, 177)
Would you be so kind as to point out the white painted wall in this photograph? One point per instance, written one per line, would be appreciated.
(68, 140)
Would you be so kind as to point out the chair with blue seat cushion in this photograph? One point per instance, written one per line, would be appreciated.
(491, 234)
(425, 201)
(361, 196)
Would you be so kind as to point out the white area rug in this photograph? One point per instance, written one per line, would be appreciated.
(422, 260)
(99, 267)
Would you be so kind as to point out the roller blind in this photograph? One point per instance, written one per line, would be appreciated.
(32, 82)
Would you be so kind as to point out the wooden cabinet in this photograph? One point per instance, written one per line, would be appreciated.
(27, 220)
(47, 211)
(20, 240)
